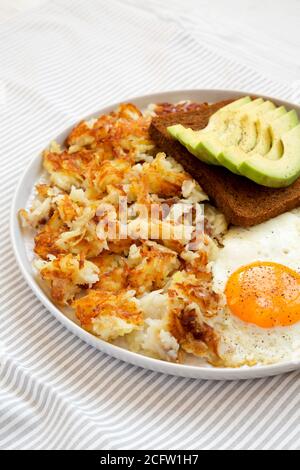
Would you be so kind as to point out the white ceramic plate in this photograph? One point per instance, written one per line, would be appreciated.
(23, 191)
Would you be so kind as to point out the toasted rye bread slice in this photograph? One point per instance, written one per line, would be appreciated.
(242, 201)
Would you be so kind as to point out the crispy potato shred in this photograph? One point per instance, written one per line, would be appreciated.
(150, 293)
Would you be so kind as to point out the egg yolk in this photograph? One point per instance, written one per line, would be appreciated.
(265, 294)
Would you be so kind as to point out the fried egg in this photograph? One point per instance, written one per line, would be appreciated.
(258, 274)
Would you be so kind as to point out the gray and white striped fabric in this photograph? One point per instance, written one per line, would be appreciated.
(58, 62)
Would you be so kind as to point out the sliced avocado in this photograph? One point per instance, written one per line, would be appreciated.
(234, 151)
(229, 114)
(243, 130)
(276, 173)
(264, 141)
(278, 128)
(264, 132)
(272, 115)
(190, 139)
(251, 106)
(245, 104)
(232, 157)
(237, 104)
(209, 145)
(249, 137)
(229, 126)
(208, 149)
(243, 138)
(263, 109)
(220, 118)
(257, 138)
(175, 130)
(262, 144)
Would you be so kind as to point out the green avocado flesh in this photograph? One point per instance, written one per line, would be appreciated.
(252, 138)
(276, 173)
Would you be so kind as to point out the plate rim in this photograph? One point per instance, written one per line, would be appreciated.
(155, 365)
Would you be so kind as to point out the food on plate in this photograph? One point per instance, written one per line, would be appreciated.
(252, 138)
(242, 201)
(204, 144)
(258, 272)
(113, 247)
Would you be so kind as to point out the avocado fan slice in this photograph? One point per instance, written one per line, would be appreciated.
(254, 139)
(256, 142)
(244, 163)
(276, 173)
(244, 130)
(191, 139)
(222, 130)
(279, 127)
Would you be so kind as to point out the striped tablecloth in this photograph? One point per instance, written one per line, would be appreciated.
(59, 61)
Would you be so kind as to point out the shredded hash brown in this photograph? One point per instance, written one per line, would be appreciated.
(154, 295)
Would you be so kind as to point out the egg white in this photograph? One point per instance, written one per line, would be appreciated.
(241, 343)
(277, 240)
(244, 344)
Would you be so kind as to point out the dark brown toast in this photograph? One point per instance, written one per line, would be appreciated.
(242, 201)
